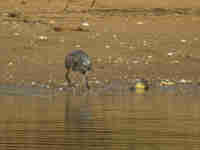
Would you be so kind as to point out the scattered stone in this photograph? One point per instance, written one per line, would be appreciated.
(77, 46)
(16, 34)
(52, 22)
(135, 61)
(33, 83)
(43, 38)
(58, 28)
(140, 22)
(86, 24)
(23, 2)
(145, 43)
(97, 82)
(61, 89)
(183, 81)
(107, 46)
(166, 83)
(99, 60)
(115, 36)
(175, 62)
(10, 64)
(170, 53)
(14, 14)
(183, 41)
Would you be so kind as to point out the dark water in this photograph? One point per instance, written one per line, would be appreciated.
(150, 121)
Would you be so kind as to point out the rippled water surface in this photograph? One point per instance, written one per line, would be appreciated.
(150, 121)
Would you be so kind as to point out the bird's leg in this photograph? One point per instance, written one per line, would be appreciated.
(67, 77)
(85, 80)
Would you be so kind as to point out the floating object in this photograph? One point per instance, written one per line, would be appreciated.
(140, 86)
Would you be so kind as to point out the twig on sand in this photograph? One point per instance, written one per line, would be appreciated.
(93, 3)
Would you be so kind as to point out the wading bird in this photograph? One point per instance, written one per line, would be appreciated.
(78, 61)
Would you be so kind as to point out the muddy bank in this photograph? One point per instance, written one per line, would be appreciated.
(85, 4)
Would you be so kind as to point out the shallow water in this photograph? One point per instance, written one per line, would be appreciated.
(150, 121)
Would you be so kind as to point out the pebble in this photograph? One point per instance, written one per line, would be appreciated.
(16, 34)
(52, 22)
(183, 41)
(175, 62)
(97, 82)
(170, 53)
(10, 63)
(77, 46)
(167, 83)
(135, 61)
(115, 36)
(33, 83)
(107, 46)
(85, 24)
(60, 89)
(43, 38)
(140, 22)
(185, 81)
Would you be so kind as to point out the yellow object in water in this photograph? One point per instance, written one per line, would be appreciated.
(140, 85)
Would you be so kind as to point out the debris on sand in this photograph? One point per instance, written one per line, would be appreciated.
(43, 38)
(14, 14)
(184, 81)
(167, 83)
(58, 28)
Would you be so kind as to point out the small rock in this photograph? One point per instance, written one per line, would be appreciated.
(43, 38)
(167, 83)
(183, 41)
(85, 24)
(115, 36)
(16, 34)
(60, 89)
(10, 63)
(33, 83)
(23, 2)
(140, 22)
(14, 14)
(52, 22)
(135, 61)
(99, 59)
(58, 28)
(185, 81)
(145, 43)
(175, 62)
(107, 46)
(170, 53)
(97, 82)
(77, 46)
